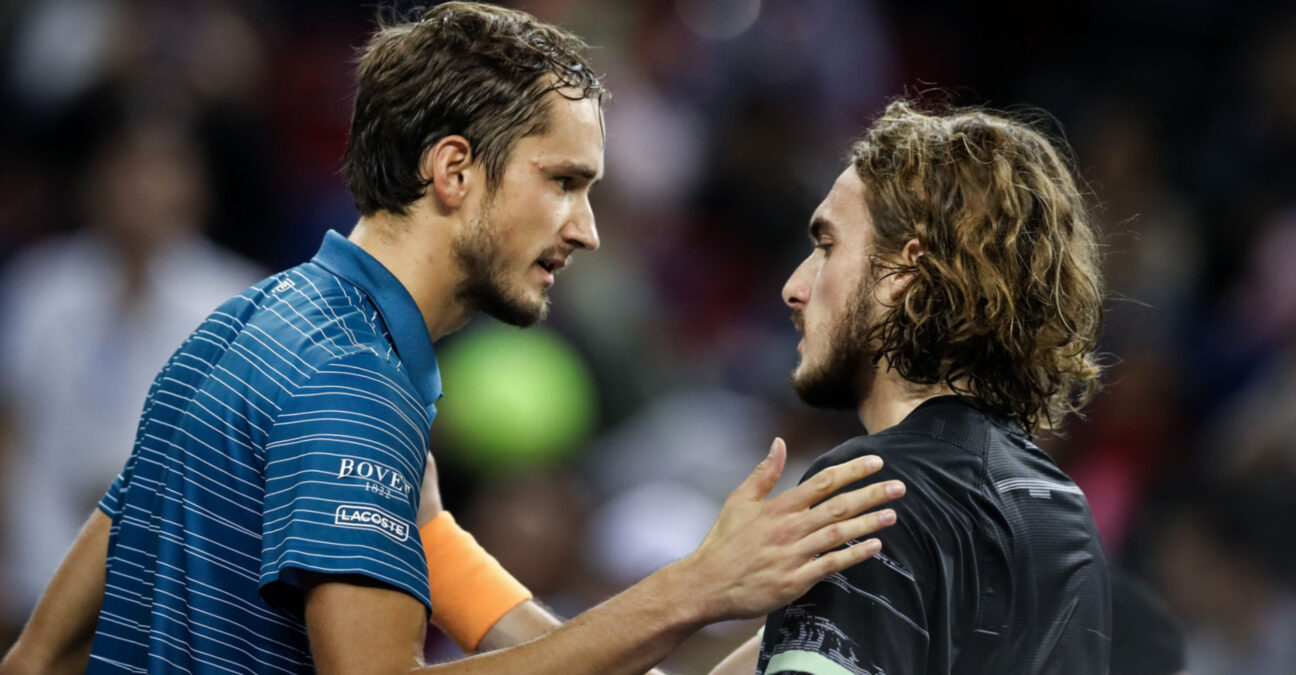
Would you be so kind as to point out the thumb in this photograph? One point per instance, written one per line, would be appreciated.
(762, 480)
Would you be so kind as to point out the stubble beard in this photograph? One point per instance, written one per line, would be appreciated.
(485, 287)
(844, 376)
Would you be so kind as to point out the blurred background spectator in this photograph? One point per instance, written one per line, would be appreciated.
(90, 315)
(148, 148)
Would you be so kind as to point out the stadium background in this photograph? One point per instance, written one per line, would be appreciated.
(593, 450)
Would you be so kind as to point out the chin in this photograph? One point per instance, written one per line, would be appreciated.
(519, 312)
(830, 385)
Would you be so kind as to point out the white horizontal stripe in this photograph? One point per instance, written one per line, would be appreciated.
(1035, 484)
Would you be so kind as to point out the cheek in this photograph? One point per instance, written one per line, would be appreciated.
(521, 200)
(835, 292)
(830, 290)
(540, 217)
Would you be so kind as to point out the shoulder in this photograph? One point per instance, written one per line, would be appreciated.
(943, 443)
(945, 494)
(918, 459)
(362, 369)
(318, 317)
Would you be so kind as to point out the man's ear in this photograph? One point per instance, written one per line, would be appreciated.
(906, 270)
(911, 252)
(449, 164)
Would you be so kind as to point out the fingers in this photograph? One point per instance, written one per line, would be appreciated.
(835, 534)
(829, 481)
(856, 501)
(836, 561)
(762, 480)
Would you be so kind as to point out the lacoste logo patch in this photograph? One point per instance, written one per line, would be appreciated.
(368, 517)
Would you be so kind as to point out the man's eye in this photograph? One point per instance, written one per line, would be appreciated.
(564, 182)
(825, 246)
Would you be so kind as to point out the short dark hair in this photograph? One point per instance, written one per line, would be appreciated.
(1006, 300)
(464, 68)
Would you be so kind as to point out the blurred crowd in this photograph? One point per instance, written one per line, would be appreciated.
(157, 156)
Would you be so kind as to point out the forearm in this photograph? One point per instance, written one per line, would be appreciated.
(627, 634)
(61, 629)
(523, 623)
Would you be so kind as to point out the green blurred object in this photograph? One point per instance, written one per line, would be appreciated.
(514, 399)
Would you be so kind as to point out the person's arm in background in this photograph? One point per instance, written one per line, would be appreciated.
(58, 636)
(741, 661)
(760, 554)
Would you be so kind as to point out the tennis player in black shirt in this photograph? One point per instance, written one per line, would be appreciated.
(953, 300)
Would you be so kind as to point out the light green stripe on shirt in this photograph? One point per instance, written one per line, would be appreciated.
(798, 661)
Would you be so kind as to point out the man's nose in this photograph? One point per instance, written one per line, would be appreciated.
(796, 292)
(581, 230)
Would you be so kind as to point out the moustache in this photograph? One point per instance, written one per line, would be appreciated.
(798, 320)
(563, 252)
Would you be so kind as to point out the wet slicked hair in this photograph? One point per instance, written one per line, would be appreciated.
(463, 68)
(1006, 300)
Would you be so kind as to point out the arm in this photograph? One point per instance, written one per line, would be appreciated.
(525, 622)
(742, 661)
(59, 634)
(760, 554)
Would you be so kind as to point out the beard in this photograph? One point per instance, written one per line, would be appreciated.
(844, 376)
(485, 286)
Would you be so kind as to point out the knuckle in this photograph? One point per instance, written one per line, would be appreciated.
(790, 585)
(824, 481)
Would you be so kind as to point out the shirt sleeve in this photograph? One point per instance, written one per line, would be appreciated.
(344, 462)
(111, 503)
(890, 614)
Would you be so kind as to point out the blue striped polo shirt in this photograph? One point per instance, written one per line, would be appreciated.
(289, 433)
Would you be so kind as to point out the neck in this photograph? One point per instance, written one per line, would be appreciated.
(420, 255)
(892, 398)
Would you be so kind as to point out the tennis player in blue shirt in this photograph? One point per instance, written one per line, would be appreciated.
(279, 511)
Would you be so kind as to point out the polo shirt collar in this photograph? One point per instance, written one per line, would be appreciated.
(404, 321)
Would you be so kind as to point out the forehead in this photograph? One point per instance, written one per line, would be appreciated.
(844, 209)
(575, 134)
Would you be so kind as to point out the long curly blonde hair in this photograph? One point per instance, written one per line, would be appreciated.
(1005, 303)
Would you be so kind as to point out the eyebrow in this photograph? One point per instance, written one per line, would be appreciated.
(582, 170)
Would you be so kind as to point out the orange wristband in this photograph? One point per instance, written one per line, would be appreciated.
(470, 590)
